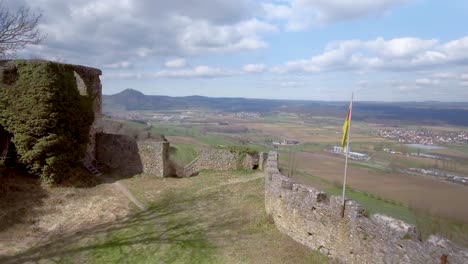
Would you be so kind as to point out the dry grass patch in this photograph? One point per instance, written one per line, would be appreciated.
(212, 218)
(31, 214)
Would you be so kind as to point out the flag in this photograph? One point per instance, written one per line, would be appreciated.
(346, 127)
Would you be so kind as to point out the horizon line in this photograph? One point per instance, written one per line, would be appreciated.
(284, 99)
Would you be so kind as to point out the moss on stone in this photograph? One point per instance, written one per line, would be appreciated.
(49, 119)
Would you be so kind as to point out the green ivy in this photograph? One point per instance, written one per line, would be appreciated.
(49, 119)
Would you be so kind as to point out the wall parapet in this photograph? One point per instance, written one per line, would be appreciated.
(312, 217)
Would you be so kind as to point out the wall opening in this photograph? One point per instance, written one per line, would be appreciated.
(80, 84)
(4, 143)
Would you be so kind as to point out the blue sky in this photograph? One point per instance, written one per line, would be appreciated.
(384, 50)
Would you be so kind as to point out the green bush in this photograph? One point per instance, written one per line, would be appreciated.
(239, 149)
(49, 119)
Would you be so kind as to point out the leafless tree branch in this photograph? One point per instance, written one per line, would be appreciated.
(18, 29)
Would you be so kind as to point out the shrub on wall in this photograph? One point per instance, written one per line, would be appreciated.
(241, 153)
(49, 119)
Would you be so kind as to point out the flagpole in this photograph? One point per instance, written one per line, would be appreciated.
(346, 159)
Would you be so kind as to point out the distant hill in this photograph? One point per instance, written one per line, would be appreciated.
(429, 113)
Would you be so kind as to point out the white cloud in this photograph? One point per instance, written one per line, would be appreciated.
(199, 36)
(399, 47)
(403, 86)
(427, 81)
(273, 11)
(290, 84)
(444, 75)
(254, 68)
(457, 49)
(464, 76)
(176, 63)
(301, 14)
(123, 76)
(196, 72)
(106, 32)
(119, 65)
(464, 84)
(407, 88)
(362, 84)
(380, 54)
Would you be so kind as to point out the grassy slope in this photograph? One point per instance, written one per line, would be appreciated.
(193, 132)
(182, 154)
(211, 218)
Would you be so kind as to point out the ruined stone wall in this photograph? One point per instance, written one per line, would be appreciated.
(191, 169)
(224, 160)
(89, 84)
(131, 157)
(262, 159)
(313, 218)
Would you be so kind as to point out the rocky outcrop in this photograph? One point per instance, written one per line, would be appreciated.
(313, 218)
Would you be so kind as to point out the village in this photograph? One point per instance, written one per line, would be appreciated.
(425, 136)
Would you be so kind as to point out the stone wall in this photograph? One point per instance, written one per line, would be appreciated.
(222, 160)
(87, 81)
(313, 218)
(191, 169)
(132, 157)
(262, 159)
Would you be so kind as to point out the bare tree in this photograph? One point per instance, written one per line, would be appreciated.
(18, 29)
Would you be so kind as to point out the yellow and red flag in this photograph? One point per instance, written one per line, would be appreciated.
(346, 126)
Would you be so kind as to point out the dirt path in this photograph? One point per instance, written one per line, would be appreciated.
(124, 190)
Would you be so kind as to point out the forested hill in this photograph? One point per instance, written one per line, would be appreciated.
(430, 113)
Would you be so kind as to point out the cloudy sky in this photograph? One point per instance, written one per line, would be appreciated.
(386, 50)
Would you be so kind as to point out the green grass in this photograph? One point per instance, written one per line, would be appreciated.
(173, 130)
(461, 148)
(133, 124)
(212, 218)
(310, 147)
(182, 154)
(370, 166)
(277, 119)
(452, 230)
(193, 132)
(240, 149)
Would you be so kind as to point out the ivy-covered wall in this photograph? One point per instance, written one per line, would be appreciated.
(41, 106)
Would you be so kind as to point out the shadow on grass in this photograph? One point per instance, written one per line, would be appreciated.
(169, 231)
(20, 196)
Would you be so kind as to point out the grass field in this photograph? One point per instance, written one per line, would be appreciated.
(428, 194)
(211, 218)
